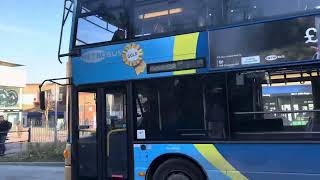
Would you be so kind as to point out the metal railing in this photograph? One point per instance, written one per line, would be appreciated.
(14, 142)
(19, 136)
(49, 134)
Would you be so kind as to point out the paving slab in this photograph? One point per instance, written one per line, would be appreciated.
(22, 172)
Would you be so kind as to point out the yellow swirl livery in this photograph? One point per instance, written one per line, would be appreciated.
(132, 56)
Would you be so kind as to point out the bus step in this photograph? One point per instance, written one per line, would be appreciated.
(117, 177)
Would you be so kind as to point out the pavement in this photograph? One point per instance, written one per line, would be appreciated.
(31, 172)
(14, 148)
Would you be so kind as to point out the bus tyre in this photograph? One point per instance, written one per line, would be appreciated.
(178, 169)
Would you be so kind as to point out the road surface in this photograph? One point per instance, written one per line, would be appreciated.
(11, 172)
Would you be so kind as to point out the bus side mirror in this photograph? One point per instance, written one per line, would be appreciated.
(42, 100)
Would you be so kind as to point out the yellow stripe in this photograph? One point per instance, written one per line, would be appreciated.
(185, 47)
(211, 153)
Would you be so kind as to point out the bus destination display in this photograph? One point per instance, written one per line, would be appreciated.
(176, 66)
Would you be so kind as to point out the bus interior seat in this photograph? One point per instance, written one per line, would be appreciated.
(259, 125)
(192, 132)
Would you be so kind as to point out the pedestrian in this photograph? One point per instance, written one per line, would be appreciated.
(5, 127)
(19, 129)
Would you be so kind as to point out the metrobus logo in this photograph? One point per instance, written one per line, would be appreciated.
(96, 56)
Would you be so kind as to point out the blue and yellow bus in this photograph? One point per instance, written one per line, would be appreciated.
(194, 90)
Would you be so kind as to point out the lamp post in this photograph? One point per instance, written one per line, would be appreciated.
(56, 112)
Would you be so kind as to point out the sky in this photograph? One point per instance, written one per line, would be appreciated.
(29, 35)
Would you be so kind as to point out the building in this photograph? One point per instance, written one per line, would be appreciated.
(12, 81)
(31, 105)
(30, 97)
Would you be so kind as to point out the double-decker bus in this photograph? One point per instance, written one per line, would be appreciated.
(194, 90)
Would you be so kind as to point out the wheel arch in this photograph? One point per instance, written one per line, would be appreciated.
(164, 157)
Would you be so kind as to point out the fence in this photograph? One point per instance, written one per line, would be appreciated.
(14, 142)
(37, 135)
(17, 142)
(45, 135)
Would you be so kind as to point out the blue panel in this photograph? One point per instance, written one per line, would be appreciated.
(202, 46)
(273, 90)
(254, 161)
(203, 50)
(103, 64)
(143, 159)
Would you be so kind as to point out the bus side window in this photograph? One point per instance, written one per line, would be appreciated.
(285, 109)
(216, 111)
(182, 108)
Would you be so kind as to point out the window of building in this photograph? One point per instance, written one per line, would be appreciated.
(62, 94)
(278, 105)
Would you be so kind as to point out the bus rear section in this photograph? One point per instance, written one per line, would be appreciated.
(241, 125)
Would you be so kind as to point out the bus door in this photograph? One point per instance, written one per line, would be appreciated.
(87, 141)
(116, 134)
(102, 134)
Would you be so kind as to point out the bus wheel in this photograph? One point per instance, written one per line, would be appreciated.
(178, 169)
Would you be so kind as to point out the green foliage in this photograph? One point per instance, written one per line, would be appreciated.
(38, 152)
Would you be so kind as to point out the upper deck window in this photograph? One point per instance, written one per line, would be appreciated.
(116, 20)
(102, 21)
(250, 10)
(169, 16)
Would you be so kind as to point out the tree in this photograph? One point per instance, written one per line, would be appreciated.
(49, 106)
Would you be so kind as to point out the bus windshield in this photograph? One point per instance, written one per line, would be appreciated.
(116, 20)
